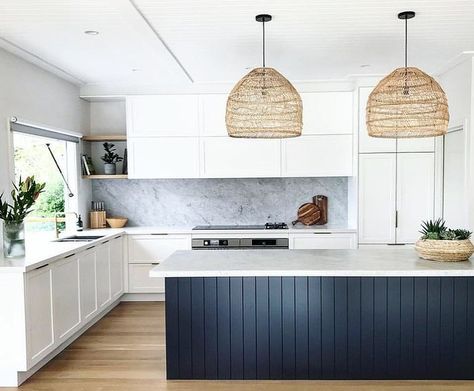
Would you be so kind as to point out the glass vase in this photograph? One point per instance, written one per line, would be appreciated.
(13, 239)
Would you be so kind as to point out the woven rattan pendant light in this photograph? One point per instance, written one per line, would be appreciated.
(264, 104)
(407, 103)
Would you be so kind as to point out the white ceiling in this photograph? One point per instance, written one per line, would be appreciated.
(206, 41)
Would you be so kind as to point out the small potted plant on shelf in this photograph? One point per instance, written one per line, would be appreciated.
(110, 158)
(440, 243)
(13, 214)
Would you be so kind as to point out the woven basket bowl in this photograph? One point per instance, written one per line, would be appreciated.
(444, 250)
(117, 222)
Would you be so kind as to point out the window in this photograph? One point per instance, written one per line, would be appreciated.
(33, 157)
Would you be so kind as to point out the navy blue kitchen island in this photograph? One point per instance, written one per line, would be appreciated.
(343, 314)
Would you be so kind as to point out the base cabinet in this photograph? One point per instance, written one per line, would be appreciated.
(141, 282)
(67, 294)
(66, 298)
(102, 272)
(116, 267)
(323, 241)
(147, 251)
(39, 314)
(87, 284)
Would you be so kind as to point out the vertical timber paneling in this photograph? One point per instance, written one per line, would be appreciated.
(263, 327)
(210, 328)
(320, 328)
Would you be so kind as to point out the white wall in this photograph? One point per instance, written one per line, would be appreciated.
(33, 94)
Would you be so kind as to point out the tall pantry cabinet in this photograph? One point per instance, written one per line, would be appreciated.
(397, 185)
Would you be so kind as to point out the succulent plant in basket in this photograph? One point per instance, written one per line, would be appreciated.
(110, 159)
(439, 243)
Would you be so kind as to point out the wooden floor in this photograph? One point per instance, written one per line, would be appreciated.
(126, 351)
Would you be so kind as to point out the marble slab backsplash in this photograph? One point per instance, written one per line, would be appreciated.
(189, 202)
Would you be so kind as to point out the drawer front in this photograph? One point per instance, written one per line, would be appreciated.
(323, 241)
(140, 281)
(151, 248)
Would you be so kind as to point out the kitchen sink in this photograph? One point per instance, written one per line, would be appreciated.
(77, 238)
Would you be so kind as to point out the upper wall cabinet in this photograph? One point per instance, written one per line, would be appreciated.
(184, 136)
(317, 156)
(162, 115)
(163, 157)
(226, 157)
(369, 144)
(327, 112)
(213, 108)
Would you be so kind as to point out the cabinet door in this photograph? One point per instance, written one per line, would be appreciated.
(415, 194)
(313, 156)
(377, 194)
(367, 143)
(327, 112)
(66, 301)
(162, 115)
(103, 275)
(166, 157)
(88, 284)
(140, 280)
(213, 108)
(116, 267)
(323, 241)
(39, 314)
(152, 249)
(225, 157)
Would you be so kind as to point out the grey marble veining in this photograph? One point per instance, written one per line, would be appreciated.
(189, 202)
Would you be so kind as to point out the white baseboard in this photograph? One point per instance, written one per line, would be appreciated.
(143, 297)
(7, 378)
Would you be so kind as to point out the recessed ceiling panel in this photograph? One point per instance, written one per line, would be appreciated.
(125, 50)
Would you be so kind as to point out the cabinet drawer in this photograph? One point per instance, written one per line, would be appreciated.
(140, 281)
(151, 248)
(323, 241)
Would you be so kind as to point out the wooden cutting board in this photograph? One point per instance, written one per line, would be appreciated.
(308, 214)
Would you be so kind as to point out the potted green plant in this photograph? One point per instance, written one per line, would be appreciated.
(13, 214)
(110, 158)
(440, 243)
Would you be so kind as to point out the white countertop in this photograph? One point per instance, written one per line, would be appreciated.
(39, 253)
(363, 262)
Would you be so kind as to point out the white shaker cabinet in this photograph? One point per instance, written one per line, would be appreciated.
(87, 284)
(116, 267)
(147, 251)
(317, 156)
(66, 299)
(327, 112)
(163, 157)
(323, 241)
(213, 108)
(162, 115)
(415, 194)
(377, 197)
(226, 157)
(103, 275)
(396, 192)
(39, 314)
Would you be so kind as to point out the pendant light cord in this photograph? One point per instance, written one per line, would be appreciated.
(263, 46)
(406, 42)
(405, 90)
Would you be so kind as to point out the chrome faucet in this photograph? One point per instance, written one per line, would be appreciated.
(56, 220)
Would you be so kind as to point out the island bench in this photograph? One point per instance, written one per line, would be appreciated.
(317, 314)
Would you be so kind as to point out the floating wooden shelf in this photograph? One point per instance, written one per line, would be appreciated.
(105, 137)
(117, 176)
